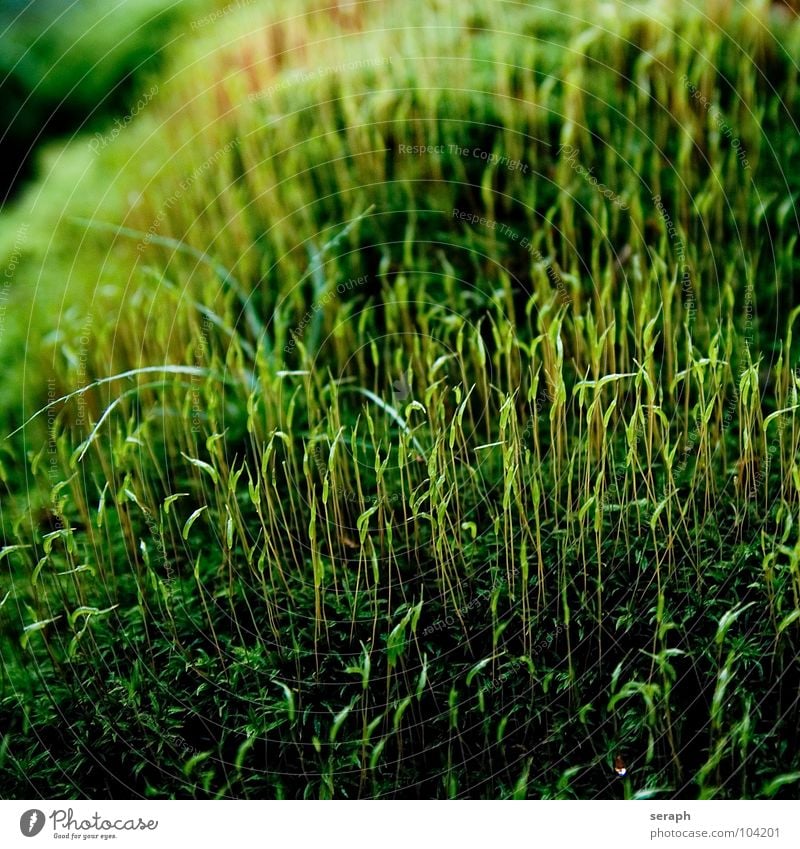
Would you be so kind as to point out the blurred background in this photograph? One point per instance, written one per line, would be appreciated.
(72, 66)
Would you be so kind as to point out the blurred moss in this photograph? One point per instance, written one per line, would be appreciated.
(70, 66)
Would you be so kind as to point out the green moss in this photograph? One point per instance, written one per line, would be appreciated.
(508, 505)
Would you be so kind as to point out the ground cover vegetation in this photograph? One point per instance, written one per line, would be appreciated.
(351, 458)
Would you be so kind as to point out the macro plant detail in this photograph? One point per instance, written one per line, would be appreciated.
(343, 462)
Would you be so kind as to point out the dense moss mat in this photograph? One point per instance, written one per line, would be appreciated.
(461, 471)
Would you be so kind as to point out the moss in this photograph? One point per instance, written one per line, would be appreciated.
(524, 422)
